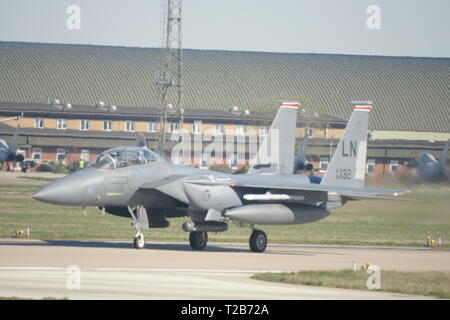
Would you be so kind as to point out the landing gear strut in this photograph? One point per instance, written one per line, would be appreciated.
(258, 241)
(139, 221)
(198, 240)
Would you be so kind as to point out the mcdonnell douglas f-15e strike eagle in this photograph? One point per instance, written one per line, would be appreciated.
(9, 153)
(270, 194)
(431, 169)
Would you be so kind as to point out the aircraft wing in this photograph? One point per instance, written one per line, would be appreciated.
(350, 193)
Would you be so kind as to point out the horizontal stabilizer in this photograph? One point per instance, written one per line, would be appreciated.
(367, 197)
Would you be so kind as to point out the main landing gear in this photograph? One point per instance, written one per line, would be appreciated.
(258, 241)
(198, 239)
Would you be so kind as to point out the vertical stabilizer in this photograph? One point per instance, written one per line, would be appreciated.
(348, 165)
(276, 154)
(13, 145)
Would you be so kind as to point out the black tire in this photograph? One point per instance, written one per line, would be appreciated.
(139, 242)
(198, 240)
(258, 241)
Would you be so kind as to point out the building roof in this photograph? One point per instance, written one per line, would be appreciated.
(409, 94)
(153, 114)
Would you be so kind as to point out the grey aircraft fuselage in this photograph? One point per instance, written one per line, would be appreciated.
(190, 188)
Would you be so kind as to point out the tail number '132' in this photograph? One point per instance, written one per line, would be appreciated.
(343, 174)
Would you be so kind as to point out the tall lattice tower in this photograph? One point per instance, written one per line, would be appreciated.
(170, 76)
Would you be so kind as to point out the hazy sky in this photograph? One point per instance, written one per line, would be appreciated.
(401, 27)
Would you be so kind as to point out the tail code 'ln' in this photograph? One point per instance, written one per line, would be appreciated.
(348, 165)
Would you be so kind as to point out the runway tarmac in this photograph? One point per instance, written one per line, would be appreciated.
(115, 270)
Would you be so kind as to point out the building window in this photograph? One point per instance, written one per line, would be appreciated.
(174, 127)
(152, 127)
(107, 125)
(240, 130)
(130, 126)
(218, 129)
(37, 154)
(262, 131)
(370, 166)
(60, 154)
(85, 125)
(84, 155)
(39, 123)
(61, 124)
(197, 127)
(393, 166)
(324, 163)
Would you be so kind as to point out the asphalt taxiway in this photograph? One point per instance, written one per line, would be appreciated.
(115, 270)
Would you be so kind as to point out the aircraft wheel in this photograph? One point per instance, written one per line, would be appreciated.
(258, 241)
(139, 241)
(198, 240)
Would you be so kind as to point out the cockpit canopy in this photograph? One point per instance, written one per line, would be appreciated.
(125, 156)
(427, 157)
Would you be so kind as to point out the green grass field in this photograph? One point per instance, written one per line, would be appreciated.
(358, 222)
(430, 283)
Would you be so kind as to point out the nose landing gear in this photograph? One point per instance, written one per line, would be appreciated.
(139, 242)
(140, 221)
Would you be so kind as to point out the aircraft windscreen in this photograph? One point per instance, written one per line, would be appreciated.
(123, 157)
(3, 144)
(105, 161)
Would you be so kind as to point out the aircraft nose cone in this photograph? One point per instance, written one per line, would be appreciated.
(64, 191)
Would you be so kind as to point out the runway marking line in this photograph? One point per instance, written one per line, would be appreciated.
(231, 244)
(230, 271)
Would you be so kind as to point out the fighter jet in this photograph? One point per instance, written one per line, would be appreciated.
(431, 169)
(9, 153)
(154, 191)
